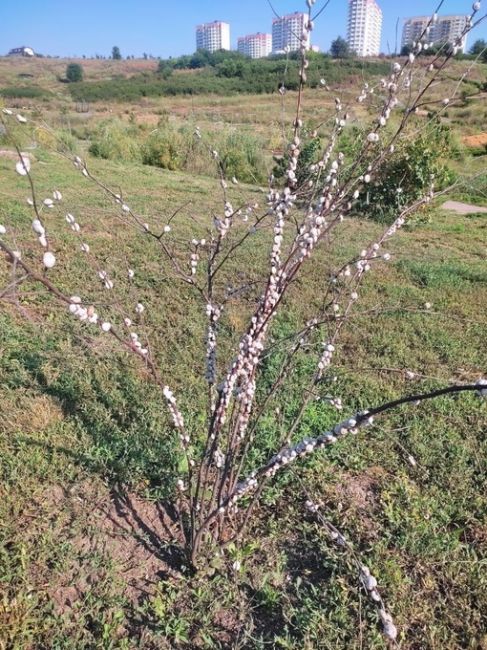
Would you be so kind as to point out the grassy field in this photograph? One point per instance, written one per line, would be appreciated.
(57, 105)
(87, 456)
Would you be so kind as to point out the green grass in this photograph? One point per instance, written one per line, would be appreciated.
(87, 453)
(24, 92)
(446, 274)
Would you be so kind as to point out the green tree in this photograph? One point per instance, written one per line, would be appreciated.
(339, 48)
(74, 72)
(230, 68)
(200, 59)
(478, 47)
(116, 54)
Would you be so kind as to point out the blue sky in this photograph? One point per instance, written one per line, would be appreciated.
(164, 28)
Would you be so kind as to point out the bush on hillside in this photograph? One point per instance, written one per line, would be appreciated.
(176, 149)
(74, 72)
(23, 92)
(241, 156)
(417, 162)
(166, 148)
(113, 140)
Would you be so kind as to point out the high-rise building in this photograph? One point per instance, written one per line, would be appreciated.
(257, 46)
(213, 36)
(413, 29)
(444, 29)
(287, 33)
(364, 27)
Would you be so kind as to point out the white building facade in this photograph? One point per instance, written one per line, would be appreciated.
(444, 29)
(257, 46)
(287, 33)
(22, 51)
(364, 27)
(213, 36)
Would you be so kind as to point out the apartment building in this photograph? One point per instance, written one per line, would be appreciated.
(257, 46)
(213, 36)
(444, 29)
(287, 33)
(364, 27)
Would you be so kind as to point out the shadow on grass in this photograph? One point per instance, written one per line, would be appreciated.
(123, 438)
(122, 428)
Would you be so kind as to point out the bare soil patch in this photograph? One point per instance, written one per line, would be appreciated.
(358, 497)
(478, 140)
(108, 531)
(10, 154)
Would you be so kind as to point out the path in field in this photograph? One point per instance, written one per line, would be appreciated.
(463, 208)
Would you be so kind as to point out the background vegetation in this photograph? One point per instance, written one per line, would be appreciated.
(223, 73)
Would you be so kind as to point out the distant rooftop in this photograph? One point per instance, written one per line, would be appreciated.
(439, 18)
(21, 51)
(215, 22)
(289, 16)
